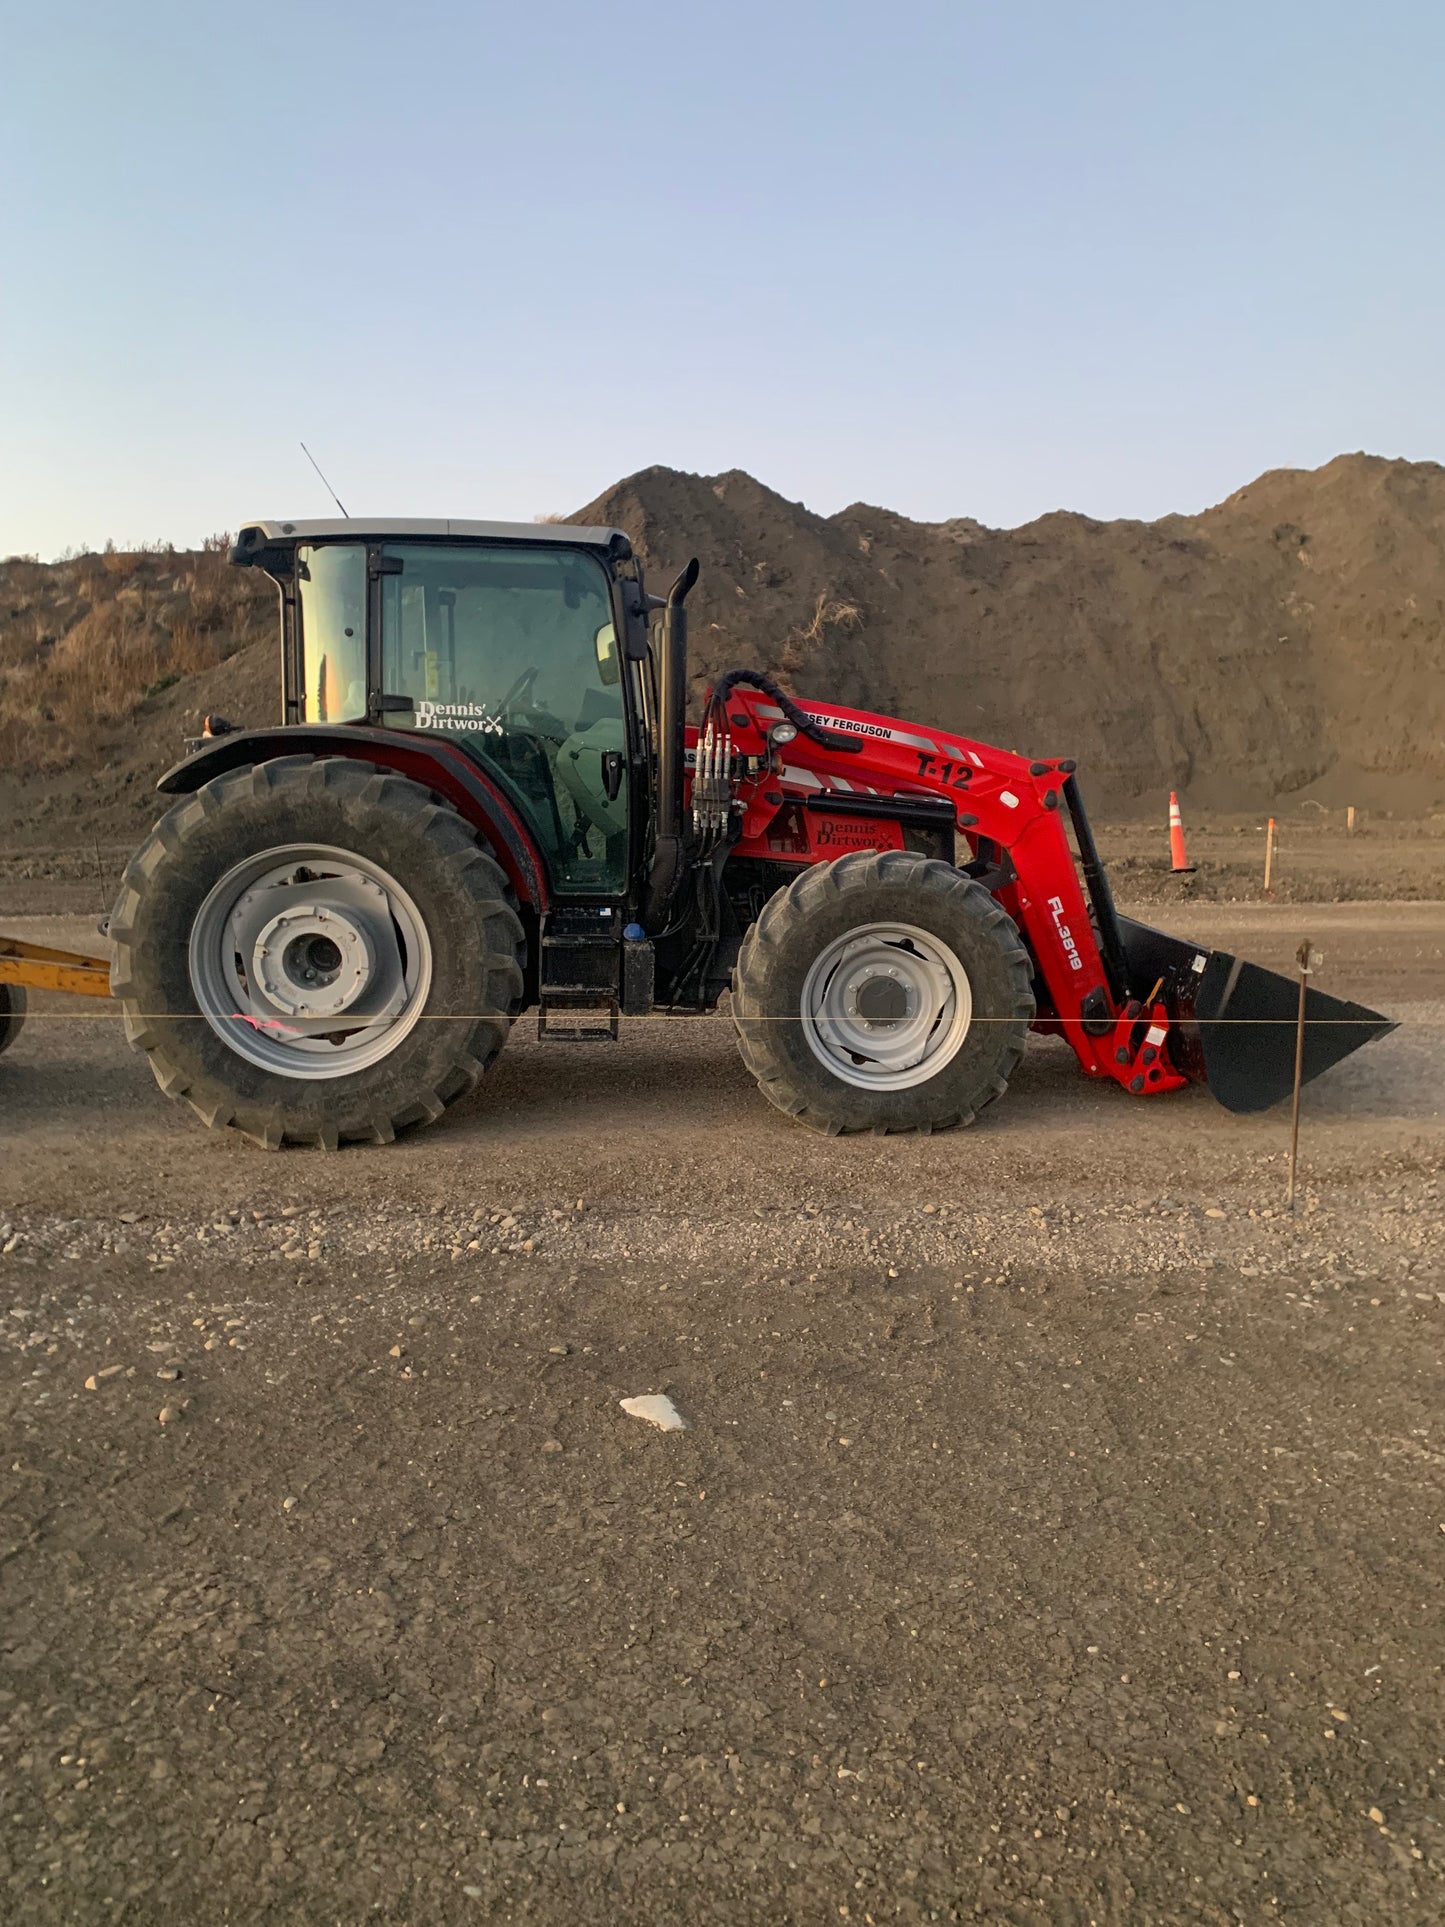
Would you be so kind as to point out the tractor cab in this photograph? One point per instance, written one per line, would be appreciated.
(502, 638)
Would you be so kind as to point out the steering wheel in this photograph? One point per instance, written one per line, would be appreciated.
(523, 686)
(531, 718)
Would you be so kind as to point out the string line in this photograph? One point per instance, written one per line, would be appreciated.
(693, 1017)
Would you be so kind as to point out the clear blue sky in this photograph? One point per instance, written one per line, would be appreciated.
(966, 258)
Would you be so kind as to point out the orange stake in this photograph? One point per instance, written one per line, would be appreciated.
(1178, 858)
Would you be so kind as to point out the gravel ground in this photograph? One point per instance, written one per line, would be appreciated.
(1057, 1535)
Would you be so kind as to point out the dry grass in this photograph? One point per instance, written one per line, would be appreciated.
(829, 614)
(85, 640)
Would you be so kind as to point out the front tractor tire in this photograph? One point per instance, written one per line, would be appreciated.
(882, 992)
(315, 950)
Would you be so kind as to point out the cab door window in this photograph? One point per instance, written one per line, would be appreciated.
(514, 652)
(331, 594)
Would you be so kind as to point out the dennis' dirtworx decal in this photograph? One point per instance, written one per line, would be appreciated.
(470, 719)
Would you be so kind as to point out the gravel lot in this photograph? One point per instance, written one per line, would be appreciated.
(1058, 1533)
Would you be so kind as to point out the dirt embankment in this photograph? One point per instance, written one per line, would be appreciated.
(1289, 642)
(1284, 646)
(107, 662)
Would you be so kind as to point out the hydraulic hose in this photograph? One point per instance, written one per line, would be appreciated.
(799, 718)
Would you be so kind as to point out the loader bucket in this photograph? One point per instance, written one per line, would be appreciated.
(1236, 1022)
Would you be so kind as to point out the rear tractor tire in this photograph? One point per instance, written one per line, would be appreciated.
(882, 992)
(312, 951)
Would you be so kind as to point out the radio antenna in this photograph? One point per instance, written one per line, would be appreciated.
(324, 483)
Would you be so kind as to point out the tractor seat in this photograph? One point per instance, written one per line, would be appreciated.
(579, 769)
(599, 705)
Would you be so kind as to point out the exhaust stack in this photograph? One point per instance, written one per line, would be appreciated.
(672, 702)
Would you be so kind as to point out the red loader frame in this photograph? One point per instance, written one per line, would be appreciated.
(807, 803)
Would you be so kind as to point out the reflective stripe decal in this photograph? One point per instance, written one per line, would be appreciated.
(880, 732)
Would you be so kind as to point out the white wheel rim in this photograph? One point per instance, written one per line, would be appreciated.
(886, 1007)
(310, 961)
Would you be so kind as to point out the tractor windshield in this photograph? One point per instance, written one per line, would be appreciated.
(514, 650)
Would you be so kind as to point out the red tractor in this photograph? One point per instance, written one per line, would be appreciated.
(485, 797)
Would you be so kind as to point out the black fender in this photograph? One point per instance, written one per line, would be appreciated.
(438, 763)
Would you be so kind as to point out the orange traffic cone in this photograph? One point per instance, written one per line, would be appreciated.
(1178, 859)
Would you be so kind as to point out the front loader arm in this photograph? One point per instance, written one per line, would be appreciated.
(1012, 813)
(1137, 1006)
(1021, 808)
(1112, 1033)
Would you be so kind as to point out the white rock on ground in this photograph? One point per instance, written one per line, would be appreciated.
(657, 1410)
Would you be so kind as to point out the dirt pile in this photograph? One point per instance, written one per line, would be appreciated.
(1287, 642)
(107, 662)
(86, 640)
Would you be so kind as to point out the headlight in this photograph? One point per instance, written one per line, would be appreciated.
(781, 733)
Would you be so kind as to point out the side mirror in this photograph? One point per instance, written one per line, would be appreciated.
(609, 669)
(635, 606)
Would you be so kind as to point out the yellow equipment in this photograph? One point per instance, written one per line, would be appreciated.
(35, 966)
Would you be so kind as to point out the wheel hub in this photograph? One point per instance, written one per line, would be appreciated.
(310, 961)
(886, 1006)
(879, 996)
(313, 962)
